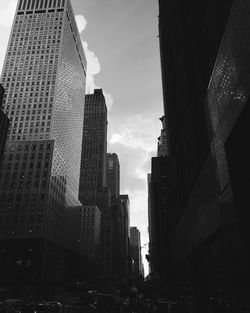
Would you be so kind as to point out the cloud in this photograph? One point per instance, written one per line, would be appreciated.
(81, 22)
(93, 67)
(7, 13)
(109, 100)
(93, 64)
(136, 131)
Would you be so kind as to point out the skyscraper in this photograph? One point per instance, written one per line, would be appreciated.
(44, 75)
(113, 174)
(94, 148)
(135, 250)
(92, 189)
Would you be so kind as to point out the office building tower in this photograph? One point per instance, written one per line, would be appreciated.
(113, 174)
(149, 255)
(206, 95)
(44, 76)
(125, 209)
(90, 226)
(94, 149)
(135, 250)
(4, 124)
(120, 238)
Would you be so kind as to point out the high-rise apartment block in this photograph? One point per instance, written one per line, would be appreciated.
(90, 226)
(94, 149)
(44, 76)
(113, 174)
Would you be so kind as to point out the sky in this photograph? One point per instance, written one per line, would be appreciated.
(122, 50)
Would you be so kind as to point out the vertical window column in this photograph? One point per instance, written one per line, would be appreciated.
(37, 4)
(28, 5)
(41, 4)
(20, 5)
(33, 4)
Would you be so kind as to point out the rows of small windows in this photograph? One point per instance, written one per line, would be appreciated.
(68, 114)
(40, 4)
(19, 229)
(22, 212)
(35, 30)
(32, 128)
(16, 111)
(33, 181)
(43, 45)
(25, 168)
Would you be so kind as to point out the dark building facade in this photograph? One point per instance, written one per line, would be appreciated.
(161, 225)
(93, 189)
(89, 234)
(94, 148)
(135, 253)
(4, 124)
(205, 63)
(120, 238)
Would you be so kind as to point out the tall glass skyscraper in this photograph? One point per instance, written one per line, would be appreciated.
(44, 75)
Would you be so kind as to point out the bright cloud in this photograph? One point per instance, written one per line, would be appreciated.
(136, 131)
(93, 64)
(109, 100)
(81, 22)
(7, 12)
(93, 67)
(6, 18)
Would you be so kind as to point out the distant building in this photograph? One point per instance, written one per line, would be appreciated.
(93, 189)
(113, 174)
(125, 210)
(90, 226)
(149, 255)
(120, 242)
(94, 149)
(135, 252)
